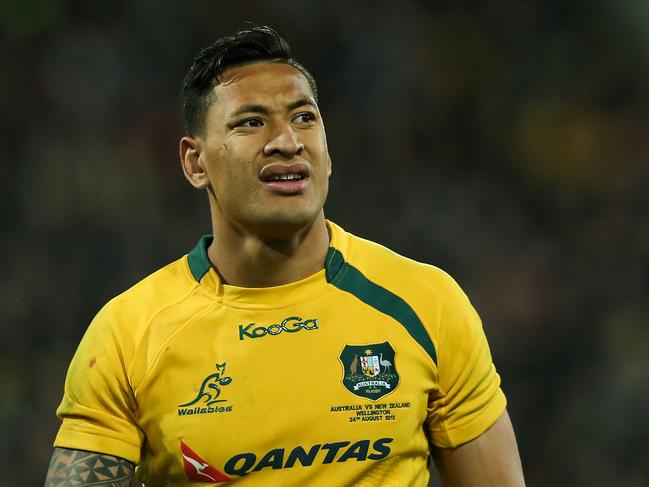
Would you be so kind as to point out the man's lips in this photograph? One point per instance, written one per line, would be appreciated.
(285, 178)
(277, 171)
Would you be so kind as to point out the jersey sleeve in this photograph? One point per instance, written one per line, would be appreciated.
(98, 409)
(469, 399)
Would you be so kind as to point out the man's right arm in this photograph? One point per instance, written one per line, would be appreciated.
(80, 468)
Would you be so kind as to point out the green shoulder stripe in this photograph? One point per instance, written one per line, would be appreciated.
(347, 278)
(199, 263)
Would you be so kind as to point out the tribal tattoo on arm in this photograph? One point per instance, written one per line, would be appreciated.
(83, 469)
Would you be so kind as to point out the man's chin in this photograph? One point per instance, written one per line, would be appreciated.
(284, 224)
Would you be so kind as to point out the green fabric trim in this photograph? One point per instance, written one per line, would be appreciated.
(199, 263)
(347, 278)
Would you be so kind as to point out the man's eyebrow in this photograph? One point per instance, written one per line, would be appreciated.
(302, 102)
(251, 108)
(254, 108)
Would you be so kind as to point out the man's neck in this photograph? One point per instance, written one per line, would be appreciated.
(245, 259)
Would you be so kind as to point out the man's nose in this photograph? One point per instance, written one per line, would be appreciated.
(284, 142)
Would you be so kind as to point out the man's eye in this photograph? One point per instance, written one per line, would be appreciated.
(305, 117)
(251, 122)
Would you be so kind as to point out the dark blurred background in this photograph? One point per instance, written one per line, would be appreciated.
(506, 142)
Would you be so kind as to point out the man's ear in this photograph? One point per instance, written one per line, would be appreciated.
(190, 151)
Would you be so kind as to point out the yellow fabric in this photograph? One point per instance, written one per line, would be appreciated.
(288, 413)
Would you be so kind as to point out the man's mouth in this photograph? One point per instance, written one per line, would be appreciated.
(285, 179)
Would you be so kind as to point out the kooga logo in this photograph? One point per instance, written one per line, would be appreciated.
(291, 324)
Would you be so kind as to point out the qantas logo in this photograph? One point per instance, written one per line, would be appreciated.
(243, 464)
(198, 469)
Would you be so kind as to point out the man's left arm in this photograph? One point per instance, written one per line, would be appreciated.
(491, 459)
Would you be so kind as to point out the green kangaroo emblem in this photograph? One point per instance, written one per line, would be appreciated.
(210, 390)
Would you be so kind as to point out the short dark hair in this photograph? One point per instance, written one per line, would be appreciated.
(257, 44)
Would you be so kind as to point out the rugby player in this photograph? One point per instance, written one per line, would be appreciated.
(281, 350)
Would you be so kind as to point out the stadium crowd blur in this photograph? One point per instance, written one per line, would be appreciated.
(505, 142)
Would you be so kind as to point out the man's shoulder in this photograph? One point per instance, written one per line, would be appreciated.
(157, 291)
(424, 286)
(386, 265)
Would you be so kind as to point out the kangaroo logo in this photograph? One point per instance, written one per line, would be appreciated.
(211, 388)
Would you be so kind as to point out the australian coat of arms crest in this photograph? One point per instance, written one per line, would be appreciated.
(369, 370)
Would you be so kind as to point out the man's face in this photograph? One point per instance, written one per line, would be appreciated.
(264, 150)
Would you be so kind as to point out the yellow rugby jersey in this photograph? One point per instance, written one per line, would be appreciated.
(341, 378)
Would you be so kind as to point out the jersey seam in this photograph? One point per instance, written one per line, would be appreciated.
(327, 287)
(421, 349)
(75, 428)
(229, 304)
(483, 411)
(148, 325)
(156, 357)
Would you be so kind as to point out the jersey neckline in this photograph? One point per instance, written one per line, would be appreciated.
(204, 273)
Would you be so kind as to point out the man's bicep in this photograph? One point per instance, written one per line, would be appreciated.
(79, 468)
(489, 460)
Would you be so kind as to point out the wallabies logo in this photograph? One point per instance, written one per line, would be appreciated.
(209, 394)
(369, 370)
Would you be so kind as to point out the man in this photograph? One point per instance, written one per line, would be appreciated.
(282, 350)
